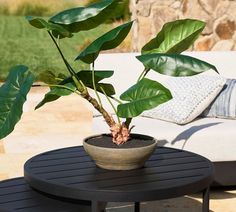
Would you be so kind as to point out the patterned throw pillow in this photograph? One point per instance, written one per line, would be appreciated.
(191, 96)
(224, 105)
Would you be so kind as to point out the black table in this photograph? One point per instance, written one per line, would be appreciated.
(70, 173)
(17, 196)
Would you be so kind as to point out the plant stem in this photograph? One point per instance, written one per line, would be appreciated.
(108, 118)
(143, 74)
(94, 85)
(112, 105)
(60, 86)
(70, 69)
(127, 122)
(63, 58)
(115, 99)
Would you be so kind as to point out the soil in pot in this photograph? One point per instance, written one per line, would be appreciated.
(106, 141)
(131, 155)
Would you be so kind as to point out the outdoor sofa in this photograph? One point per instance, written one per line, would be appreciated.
(213, 138)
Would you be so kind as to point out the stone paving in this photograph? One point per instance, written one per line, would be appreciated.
(65, 123)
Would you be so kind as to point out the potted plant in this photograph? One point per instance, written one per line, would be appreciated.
(161, 54)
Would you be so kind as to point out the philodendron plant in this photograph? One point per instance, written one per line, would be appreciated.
(161, 54)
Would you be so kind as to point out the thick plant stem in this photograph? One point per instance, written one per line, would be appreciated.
(119, 131)
(127, 122)
(108, 118)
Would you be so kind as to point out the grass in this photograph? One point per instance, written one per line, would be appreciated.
(39, 7)
(20, 43)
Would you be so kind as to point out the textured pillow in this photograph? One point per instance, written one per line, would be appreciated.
(224, 105)
(191, 96)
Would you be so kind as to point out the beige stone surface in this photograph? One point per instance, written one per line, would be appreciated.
(224, 45)
(161, 15)
(2, 150)
(219, 15)
(225, 27)
(204, 43)
(61, 123)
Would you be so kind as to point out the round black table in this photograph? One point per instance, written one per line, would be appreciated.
(71, 174)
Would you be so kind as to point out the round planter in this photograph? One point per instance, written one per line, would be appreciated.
(123, 157)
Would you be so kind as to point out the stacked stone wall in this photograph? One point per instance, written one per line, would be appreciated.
(220, 16)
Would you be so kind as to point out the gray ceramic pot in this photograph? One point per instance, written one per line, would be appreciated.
(120, 158)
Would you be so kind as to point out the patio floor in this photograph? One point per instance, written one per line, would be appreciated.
(65, 123)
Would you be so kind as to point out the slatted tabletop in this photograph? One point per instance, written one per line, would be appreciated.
(70, 173)
(17, 196)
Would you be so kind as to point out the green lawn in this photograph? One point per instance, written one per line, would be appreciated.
(20, 43)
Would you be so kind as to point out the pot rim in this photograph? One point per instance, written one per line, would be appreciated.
(121, 149)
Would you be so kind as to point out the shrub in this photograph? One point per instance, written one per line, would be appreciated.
(27, 8)
(35, 8)
(4, 9)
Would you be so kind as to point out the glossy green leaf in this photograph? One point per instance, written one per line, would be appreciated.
(174, 64)
(108, 88)
(37, 22)
(144, 95)
(175, 37)
(49, 77)
(56, 29)
(56, 92)
(86, 77)
(107, 41)
(12, 97)
(85, 18)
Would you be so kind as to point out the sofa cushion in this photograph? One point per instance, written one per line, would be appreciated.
(191, 96)
(224, 105)
(213, 138)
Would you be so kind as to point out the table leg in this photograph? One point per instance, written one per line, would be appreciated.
(98, 206)
(205, 199)
(136, 207)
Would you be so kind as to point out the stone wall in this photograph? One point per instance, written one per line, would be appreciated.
(220, 16)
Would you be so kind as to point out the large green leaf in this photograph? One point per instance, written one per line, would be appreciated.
(85, 18)
(12, 97)
(107, 41)
(49, 77)
(56, 29)
(86, 77)
(108, 88)
(144, 95)
(174, 64)
(175, 37)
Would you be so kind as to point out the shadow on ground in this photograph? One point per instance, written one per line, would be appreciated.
(181, 204)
